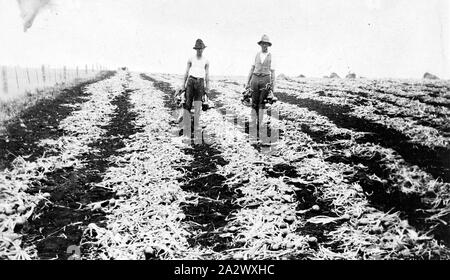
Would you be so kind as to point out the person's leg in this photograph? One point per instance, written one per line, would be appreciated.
(265, 84)
(265, 81)
(198, 94)
(187, 121)
(189, 95)
(254, 85)
(256, 95)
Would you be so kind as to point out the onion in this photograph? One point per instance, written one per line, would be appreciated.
(290, 245)
(232, 229)
(97, 206)
(312, 239)
(345, 217)
(120, 193)
(149, 251)
(289, 219)
(238, 256)
(21, 209)
(21, 221)
(405, 253)
(284, 232)
(180, 217)
(282, 225)
(275, 247)
(376, 230)
(268, 218)
(112, 202)
(298, 244)
(9, 210)
(363, 222)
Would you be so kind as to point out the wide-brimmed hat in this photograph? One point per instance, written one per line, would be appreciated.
(199, 44)
(265, 39)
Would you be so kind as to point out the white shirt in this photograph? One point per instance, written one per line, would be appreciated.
(197, 69)
(263, 56)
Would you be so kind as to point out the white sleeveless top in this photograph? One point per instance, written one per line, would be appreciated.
(198, 67)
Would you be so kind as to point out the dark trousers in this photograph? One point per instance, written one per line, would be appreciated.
(195, 90)
(258, 85)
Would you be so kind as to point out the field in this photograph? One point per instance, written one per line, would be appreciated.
(361, 170)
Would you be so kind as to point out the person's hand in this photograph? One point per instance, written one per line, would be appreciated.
(247, 86)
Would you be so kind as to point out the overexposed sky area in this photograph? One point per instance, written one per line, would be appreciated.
(374, 38)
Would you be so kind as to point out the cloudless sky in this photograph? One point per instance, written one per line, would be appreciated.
(374, 38)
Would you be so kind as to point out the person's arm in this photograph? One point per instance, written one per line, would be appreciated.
(207, 78)
(272, 79)
(250, 75)
(249, 79)
(186, 75)
(272, 73)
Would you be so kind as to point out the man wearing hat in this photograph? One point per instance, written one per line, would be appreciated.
(261, 77)
(196, 77)
(195, 83)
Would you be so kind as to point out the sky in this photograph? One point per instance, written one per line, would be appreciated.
(373, 38)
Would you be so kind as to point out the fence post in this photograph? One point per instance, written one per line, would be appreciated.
(65, 73)
(28, 76)
(77, 71)
(17, 77)
(43, 73)
(5, 79)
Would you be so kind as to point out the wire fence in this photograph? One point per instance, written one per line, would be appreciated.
(16, 81)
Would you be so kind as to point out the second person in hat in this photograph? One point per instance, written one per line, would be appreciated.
(261, 79)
